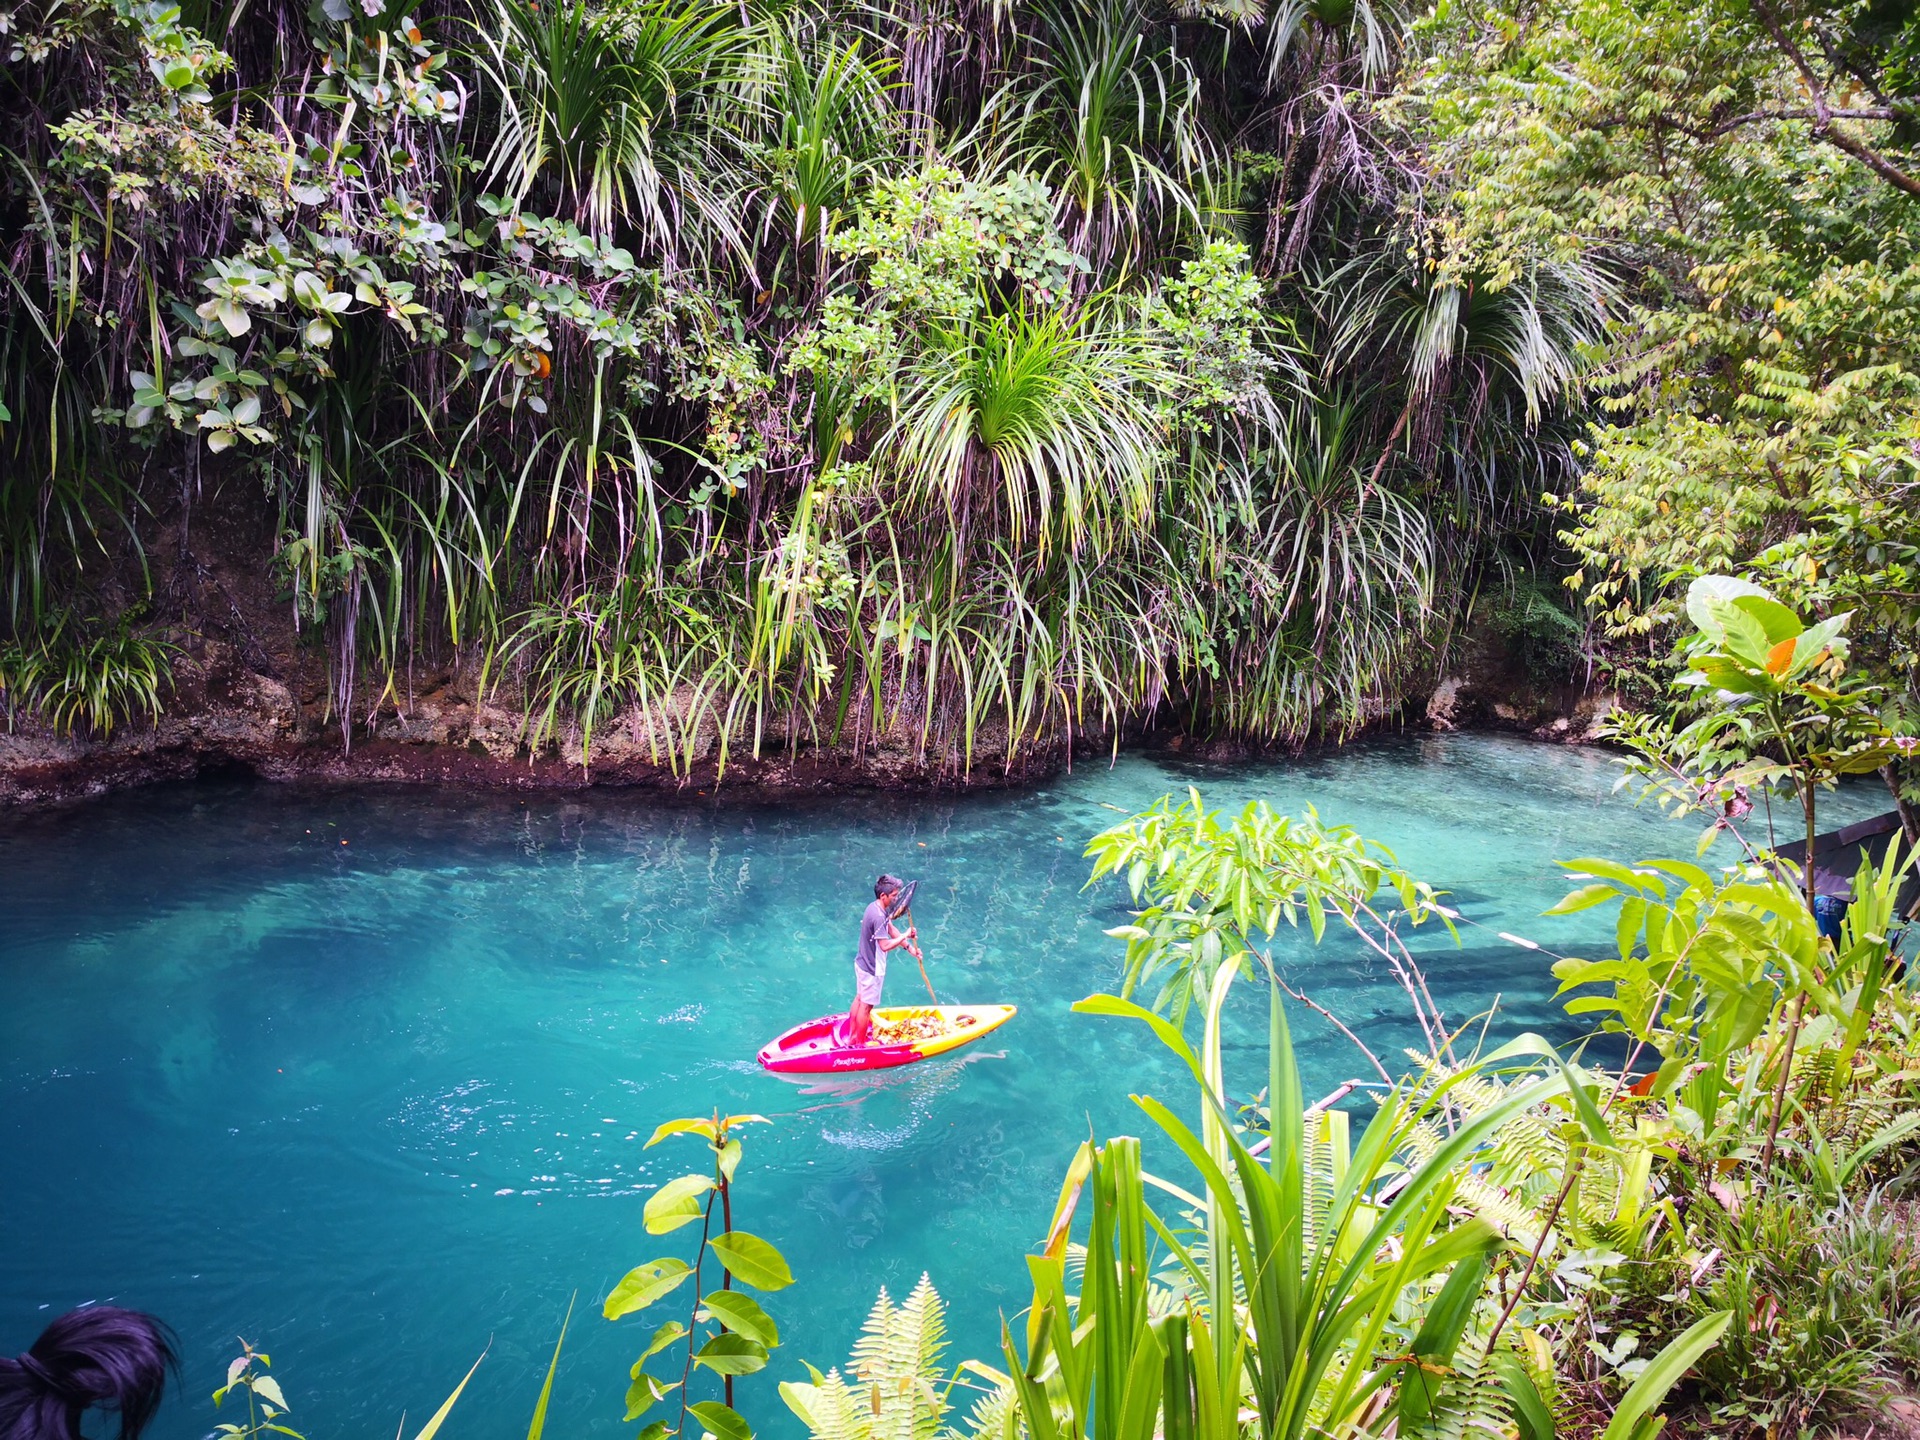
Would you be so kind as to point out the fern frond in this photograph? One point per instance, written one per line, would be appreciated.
(830, 1408)
(896, 1363)
(993, 1417)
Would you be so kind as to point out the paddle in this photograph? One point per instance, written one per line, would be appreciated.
(902, 904)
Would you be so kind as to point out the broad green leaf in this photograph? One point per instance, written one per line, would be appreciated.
(1730, 675)
(752, 1261)
(721, 1422)
(1593, 866)
(800, 1397)
(1777, 623)
(645, 1392)
(645, 1284)
(730, 1354)
(1585, 898)
(662, 1338)
(268, 1388)
(1705, 595)
(676, 1203)
(742, 1315)
(680, 1127)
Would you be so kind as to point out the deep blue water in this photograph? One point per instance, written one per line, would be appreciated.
(364, 1075)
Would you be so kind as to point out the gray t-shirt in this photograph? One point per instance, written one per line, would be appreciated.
(873, 925)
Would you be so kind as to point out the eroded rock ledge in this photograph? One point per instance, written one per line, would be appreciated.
(228, 716)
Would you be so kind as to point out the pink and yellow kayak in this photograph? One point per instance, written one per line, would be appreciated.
(901, 1035)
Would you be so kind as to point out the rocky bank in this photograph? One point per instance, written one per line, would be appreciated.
(252, 694)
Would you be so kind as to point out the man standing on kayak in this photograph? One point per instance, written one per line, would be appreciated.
(877, 936)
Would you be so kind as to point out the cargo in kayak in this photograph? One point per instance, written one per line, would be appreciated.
(901, 1035)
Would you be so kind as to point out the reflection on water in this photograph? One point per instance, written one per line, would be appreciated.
(367, 1076)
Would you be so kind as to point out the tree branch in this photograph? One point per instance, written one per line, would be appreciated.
(1756, 117)
(1824, 114)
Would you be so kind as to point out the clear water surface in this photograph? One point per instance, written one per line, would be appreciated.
(364, 1076)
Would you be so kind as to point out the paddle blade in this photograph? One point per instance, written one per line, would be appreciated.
(902, 900)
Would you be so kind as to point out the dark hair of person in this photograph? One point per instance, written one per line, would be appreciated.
(101, 1358)
(884, 886)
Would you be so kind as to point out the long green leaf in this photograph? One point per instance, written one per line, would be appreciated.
(1681, 1354)
(432, 1427)
(539, 1423)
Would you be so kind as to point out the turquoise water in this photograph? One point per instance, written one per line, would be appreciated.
(364, 1076)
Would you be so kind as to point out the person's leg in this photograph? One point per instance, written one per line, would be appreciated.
(859, 1021)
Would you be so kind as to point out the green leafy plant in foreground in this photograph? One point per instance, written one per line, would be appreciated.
(726, 1331)
(77, 676)
(267, 1404)
(1303, 1283)
(893, 1388)
(1306, 1285)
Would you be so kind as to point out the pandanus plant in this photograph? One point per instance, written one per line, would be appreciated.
(1289, 1307)
(1304, 1255)
(609, 106)
(1040, 425)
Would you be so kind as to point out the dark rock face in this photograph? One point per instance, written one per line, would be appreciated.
(251, 722)
(1484, 683)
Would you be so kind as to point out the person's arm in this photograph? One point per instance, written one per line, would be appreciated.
(894, 939)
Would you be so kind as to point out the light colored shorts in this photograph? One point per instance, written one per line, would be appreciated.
(867, 983)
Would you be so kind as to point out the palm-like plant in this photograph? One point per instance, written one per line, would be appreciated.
(1468, 337)
(1047, 419)
(1342, 547)
(80, 677)
(610, 104)
(1330, 35)
(1115, 128)
(828, 101)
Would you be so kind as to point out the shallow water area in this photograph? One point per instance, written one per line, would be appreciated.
(365, 1075)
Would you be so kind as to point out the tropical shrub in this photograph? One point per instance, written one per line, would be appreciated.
(87, 677)
(726, 1331)
(956, 386)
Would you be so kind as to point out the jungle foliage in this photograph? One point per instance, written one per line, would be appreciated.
(786, 373)
(767, 374)
(1712, 1231)
(1749, 172)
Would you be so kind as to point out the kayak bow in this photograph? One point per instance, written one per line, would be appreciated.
(819, 1046)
